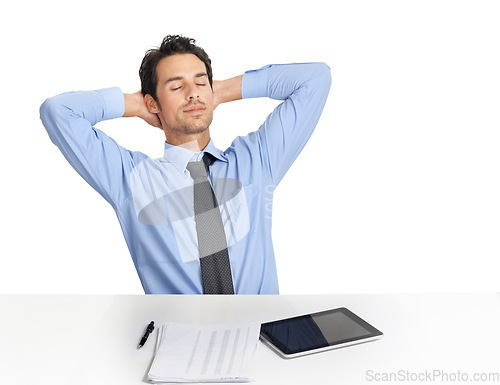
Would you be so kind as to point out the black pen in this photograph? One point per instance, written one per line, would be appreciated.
(149, 329)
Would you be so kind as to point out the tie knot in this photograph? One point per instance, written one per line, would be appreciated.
(200, 169)
(197, 169)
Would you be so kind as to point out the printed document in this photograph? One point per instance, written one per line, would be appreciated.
(204, 353)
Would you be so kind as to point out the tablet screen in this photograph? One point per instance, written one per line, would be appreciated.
(318, 330)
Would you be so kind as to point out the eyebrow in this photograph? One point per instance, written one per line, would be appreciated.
(175, 78)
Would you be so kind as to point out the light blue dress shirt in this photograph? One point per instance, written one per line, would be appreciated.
(153, 198)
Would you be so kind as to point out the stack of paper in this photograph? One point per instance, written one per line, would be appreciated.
(204, 353)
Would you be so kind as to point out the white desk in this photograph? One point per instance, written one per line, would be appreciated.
(93, 339)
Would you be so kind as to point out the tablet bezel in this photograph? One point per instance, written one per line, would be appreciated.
(374, 334)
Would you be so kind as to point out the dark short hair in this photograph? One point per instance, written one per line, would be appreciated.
(171, 45)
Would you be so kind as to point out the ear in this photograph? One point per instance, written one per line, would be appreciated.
(151, 104)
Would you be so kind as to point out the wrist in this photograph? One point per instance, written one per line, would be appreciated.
(133, 104)
(227, 90)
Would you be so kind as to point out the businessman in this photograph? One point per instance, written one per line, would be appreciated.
(196, 220)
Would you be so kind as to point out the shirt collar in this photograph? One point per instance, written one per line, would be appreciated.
(180, 156)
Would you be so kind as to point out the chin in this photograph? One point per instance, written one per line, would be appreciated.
(197, 126)
(195, 129)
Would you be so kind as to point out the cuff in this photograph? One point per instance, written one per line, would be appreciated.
(254, 83)
(114, 102)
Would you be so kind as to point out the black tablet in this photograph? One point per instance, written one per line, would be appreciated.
(312, 333)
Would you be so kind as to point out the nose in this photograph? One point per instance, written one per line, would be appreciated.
(192, 93)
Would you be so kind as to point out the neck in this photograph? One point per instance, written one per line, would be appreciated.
(195, 142)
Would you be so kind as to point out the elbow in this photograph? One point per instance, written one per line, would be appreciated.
(323, 77)
(325, 72)
(48, 109)
(52, 114)
(323, 68)
(320, 69)
(54, 109)
(45, 107)
(48, 113)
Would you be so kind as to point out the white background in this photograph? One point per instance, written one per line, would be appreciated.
(397, 190)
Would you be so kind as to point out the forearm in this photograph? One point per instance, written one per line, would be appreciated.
(227, 90)
(132, 104)
(303, 89)
(59, 113)
(308, 81)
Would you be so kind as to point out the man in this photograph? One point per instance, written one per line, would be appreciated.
(198, 219)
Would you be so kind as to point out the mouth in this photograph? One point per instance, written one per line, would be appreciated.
(196, 109)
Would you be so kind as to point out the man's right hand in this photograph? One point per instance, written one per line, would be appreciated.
(135, 106)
